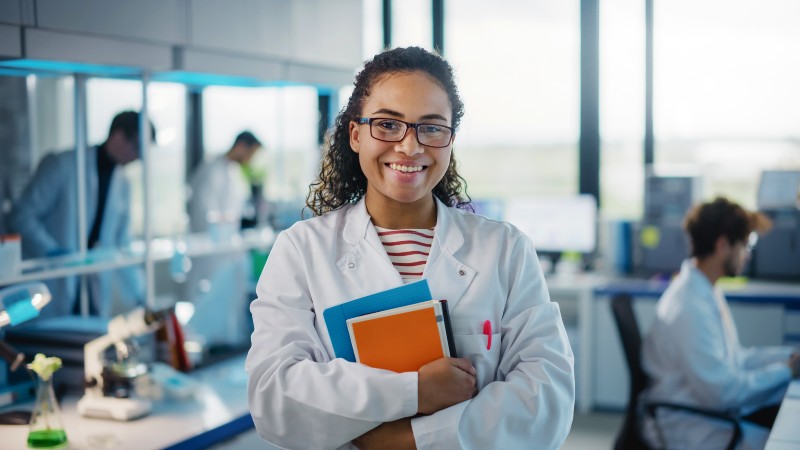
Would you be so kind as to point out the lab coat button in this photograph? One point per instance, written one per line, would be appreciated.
(462, 272)
(351, 265)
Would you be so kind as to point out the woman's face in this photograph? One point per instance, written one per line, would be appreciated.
(404, 172)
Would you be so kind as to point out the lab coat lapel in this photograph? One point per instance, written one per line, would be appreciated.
(366, 266)
(447, 276)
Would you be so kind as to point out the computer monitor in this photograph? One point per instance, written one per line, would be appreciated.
(778, 189)
(556, 224)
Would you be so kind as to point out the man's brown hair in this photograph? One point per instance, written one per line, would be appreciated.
(706, 222)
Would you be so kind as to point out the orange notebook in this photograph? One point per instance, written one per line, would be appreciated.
(403, 339)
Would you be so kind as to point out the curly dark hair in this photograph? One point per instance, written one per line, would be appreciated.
(706, 222)
(340, 179)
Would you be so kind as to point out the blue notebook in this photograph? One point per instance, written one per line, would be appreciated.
(336, 316)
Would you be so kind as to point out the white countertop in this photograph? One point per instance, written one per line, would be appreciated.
(220, 399)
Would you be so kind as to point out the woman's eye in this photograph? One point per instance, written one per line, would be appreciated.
(430, 129)
(389, 125)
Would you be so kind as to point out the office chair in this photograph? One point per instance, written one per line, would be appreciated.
(630, 435)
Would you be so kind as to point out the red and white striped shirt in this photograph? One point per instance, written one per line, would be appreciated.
(407, 249)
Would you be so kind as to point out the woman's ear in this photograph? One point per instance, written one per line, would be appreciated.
(355, 142)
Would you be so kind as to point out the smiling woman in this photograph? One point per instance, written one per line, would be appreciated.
(392, 209)
(400, 169)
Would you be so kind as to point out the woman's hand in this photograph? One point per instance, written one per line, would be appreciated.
(396, 435)
(445, 382)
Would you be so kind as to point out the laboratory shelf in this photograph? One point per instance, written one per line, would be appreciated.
(162, 249)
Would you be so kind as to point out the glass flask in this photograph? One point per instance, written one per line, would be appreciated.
(46, 428)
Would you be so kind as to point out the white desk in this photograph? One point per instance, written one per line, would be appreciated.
(761, 310)
(218, 412)
(579, 287)
(785, 432)
(600, 367)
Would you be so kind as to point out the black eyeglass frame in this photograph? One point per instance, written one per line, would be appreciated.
(409, 125)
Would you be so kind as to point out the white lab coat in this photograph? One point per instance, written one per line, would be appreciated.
(302, 398)
(693, 356)
(218, 187)
(46, 217)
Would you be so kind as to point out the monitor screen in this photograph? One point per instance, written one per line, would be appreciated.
(778, 189)
(556, 224)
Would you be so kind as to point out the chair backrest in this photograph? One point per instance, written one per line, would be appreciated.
(629, 436)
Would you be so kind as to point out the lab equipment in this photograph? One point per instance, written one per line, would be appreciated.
(20, 303)
(46, 428)
(777, 255)
(661, 244)
(10, 255)
(110, 388)
(64, 337)
(779, 189)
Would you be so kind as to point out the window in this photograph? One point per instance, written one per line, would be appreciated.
(412, 23)
(726, 96)
(283, 118)
(518, 71)
(372, 38)
(622, 103)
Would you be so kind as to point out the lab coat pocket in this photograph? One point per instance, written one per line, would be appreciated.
(485, 360)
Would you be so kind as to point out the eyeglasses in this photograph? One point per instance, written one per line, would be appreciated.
(393, 130)
(752, 240)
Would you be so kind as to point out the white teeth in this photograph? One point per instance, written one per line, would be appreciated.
(405, 169)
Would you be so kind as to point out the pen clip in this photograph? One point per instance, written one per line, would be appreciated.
(487, 330)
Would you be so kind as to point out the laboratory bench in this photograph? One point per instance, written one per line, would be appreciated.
(765, 312)
(217, 411)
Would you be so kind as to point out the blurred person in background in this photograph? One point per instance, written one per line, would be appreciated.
(221, 187)
(46, 217)
(692, 352)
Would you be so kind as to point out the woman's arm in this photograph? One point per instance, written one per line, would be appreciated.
(299, 397)
(530, 403)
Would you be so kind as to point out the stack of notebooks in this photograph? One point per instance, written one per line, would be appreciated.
(400, 330)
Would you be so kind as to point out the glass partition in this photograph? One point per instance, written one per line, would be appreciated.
(167, 112)
(285, 120)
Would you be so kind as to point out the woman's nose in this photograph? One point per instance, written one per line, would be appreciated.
(409, 144)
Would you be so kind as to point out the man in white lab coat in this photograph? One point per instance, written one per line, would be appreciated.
(219, 187)
(46, 217)
(217, 283)
(692, 352)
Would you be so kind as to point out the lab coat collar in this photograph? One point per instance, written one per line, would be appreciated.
(358, 223)
(448, 276)
(695, 277)
(368, 266)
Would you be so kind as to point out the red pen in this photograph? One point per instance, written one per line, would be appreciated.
(487, 330)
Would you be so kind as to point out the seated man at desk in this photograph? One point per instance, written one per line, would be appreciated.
(46, 217)
(692, 352)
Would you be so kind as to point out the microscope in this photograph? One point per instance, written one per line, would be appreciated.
(110, 388)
